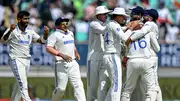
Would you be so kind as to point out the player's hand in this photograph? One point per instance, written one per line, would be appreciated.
(78, 57)
(129, 24)
(124, 61)
(65, 57)
(46, 32)
(12, 27)
(133, 24)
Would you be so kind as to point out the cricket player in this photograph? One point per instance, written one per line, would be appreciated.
(61, 45)
(97, 73)
(150, 23)
(113, 37)
(19, 38)
(137, 14)
(139, 64)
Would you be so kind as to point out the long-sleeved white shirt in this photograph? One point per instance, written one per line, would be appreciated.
(143, 47)
(96, 41)
(149, 26)
(113, 37)
(147, 29)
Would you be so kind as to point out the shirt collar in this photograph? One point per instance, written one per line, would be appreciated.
(61, 31)
(17, 27)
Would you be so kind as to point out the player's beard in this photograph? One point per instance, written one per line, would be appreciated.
(123, 23)
(23, 25)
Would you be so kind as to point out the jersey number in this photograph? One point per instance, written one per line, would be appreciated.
(141, 43)
(106, 39)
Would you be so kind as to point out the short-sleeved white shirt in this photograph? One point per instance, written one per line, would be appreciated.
(19, 42)
(62, 42)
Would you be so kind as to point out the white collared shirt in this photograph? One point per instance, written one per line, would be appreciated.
(62, 42)
(19, 42)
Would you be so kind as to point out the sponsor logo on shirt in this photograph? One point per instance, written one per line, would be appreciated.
(69, 42)
(23, 42)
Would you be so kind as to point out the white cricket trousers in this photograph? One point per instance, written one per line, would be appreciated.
(97, 77)
(137, 67)
(113, 64)
(20, 68)
(139, 93)
(63, 72)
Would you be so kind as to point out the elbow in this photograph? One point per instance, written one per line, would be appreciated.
(48, 49)
(157, 49)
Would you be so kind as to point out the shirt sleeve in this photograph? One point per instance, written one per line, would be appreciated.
(97, 27)
(142, 32)
(10, 36)
(119, 32)
(51, 40)
(154, 42)
(35, 36)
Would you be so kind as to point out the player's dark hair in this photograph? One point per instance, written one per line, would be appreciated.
(23, 13)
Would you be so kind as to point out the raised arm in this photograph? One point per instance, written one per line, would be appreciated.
(139, 33)
(97, 27)
(120, 33)
(43, 39)
(7, 33)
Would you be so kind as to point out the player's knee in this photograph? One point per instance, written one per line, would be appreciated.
(102, 85)
(151, 95)
(124, 94)
(59, 91)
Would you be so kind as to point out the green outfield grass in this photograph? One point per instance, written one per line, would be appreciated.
(43, 87)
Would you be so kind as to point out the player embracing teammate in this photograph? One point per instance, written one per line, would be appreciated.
(140, 39)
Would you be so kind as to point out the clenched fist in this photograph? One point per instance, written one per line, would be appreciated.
(12, 27)
(46, 32)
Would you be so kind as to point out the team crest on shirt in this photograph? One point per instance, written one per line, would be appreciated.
(118, 29)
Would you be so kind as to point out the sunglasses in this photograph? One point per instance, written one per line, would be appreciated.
(64, 23)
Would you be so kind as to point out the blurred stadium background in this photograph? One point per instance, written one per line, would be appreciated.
(44, 12)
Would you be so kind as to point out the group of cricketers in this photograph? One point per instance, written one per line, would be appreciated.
(112, 45)
(116, 44)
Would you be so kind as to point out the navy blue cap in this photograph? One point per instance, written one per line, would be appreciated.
(145, 13)
(153, 13)
(61, 19)
(137, 10)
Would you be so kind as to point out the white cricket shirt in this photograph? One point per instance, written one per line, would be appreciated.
(143, 47)
(62, 42)
(113, 37)
(19, 42)
(148, 27)
(96, 41)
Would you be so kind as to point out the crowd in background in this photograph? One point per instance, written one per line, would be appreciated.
(80, 12)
